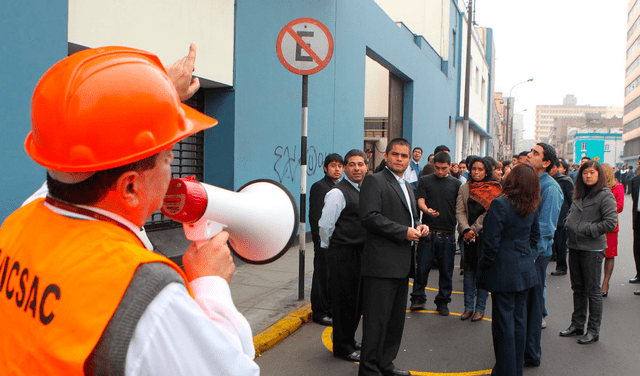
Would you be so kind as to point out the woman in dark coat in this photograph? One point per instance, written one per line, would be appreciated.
(507, 267)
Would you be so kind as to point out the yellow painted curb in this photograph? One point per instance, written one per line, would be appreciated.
(282, 329)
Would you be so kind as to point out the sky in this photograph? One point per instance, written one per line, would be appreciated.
(566, 46)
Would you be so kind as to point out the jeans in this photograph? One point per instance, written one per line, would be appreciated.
(474, 299)
(442, 247)
(535, 311)
(586, 269)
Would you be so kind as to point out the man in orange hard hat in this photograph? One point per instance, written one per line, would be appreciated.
(81, 291)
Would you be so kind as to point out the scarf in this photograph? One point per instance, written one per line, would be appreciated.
(483, 192)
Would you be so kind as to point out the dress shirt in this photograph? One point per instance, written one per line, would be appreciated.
(178, 335)
(334, 204)
(411, 174)
(406, 195)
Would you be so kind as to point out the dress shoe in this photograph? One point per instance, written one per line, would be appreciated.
(634, 280)
(326, 321)
(544, 323)
(572, 331)
(443, 310)
(636, 293)
(477, 316)
(530, 364)
(353, 357)
(466, 315)
(395, 372)
(418, 306)
(357, 345)
(588, 338)
(559, 272)
(605, 294)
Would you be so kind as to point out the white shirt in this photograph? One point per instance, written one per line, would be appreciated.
(406, 195)
(410, 175)
(178, 335)
(334, 204)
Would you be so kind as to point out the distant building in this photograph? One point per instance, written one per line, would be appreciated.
(547, 114)
(631, 119)
(565, 129)
(599, 139)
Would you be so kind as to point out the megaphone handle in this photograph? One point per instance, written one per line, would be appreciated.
(202, 230)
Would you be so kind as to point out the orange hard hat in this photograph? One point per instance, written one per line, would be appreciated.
(106, 107)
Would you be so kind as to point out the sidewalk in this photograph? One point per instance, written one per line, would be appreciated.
(267, 295)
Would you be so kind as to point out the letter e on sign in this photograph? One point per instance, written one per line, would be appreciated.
(304, 46)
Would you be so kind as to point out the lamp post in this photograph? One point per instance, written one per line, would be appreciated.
(513, 133)
(510, 104)
(467, 82)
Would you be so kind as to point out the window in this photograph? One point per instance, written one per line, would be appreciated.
(607, 147)
(477, 80)
(584, 147)
(483, 89)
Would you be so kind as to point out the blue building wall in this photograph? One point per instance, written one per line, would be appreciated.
(267, 114)
(258, 135)
(33, 36)
(595, 146)
(593, 149)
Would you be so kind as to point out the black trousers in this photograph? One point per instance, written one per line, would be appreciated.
(586, 271)
(560, 245)
(346, 299)
(636, 243)
(320, 299)
(384, 311)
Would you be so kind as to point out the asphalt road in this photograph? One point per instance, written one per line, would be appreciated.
(436, 345)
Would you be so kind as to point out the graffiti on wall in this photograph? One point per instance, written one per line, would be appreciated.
(287, 162)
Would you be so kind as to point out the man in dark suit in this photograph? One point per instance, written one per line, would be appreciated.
(320, 300)
(635, 217)
(390, 217)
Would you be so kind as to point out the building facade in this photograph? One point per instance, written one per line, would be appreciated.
(546, 115)
(255, 99)
(631, 119)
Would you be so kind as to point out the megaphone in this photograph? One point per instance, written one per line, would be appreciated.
(261, 218)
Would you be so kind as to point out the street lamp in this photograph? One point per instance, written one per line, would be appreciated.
(514, 133)
(510, 104)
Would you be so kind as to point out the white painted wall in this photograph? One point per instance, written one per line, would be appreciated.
(429, 18)
(165, 28)
(479, 71)
(376, 90)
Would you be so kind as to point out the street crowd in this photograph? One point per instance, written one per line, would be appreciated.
(376, 228)
(83, 293)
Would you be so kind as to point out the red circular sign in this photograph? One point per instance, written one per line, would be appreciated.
(304, 46)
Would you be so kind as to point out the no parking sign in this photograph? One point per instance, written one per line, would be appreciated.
(304, 46)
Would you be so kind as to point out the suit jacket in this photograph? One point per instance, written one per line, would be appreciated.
(386, 217)
(316, 202)
(635, 216)
(508, 249)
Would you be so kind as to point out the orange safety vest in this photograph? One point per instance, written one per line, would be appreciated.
(61, 280)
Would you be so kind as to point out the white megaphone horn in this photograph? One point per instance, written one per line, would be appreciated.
(261, 218)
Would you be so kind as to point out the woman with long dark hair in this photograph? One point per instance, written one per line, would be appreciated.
(507, 265)
(591, 216)
(474, 198)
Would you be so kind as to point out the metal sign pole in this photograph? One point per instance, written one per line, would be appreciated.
(303, 182)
